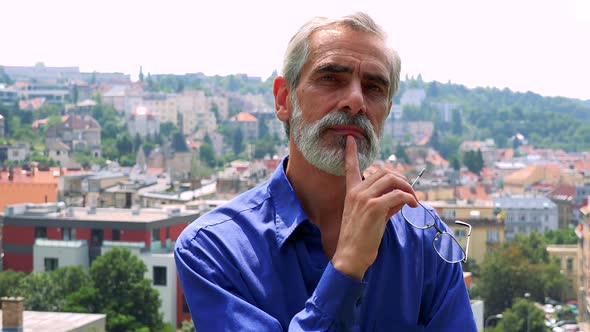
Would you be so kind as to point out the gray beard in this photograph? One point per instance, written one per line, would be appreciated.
(330, 157)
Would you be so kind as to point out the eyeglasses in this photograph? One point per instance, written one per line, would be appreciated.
(445, 244)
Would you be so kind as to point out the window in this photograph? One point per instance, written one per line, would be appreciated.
(159, 275)
(51, 264)
(68, 233)
(493, 236)
(40, 232)
(570, 265)
(449, 213)
(116, 235)
(460, 233)
(156, 234)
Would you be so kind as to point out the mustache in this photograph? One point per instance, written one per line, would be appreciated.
(341, 118)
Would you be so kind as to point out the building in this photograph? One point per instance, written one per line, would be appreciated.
(569, 263)
(522, 180)
(526, 214)
(196, 109)
(487, 148)
(563, 196)
(413, 97)
(19, 151)
(28, 185)
(487, 230)
(582, 193)
(79, 133)
(583, 233)
(42, 237)
(8, 95)
(40, 72)
(2, 125)
(51, 92)
(247, 123)
(60, 152)
(143, 122)
(14, 317)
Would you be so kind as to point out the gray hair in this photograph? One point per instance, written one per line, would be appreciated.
(298, 49)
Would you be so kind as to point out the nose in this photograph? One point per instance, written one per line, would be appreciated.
(353, 100)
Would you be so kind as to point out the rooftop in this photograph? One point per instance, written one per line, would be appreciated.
(59, 211)
(37, 321)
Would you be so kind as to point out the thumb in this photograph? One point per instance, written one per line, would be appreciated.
(353, 173)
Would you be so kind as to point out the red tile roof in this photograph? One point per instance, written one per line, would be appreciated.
(243, 117)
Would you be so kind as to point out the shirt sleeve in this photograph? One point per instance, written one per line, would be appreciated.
(217, 302)
(447, 304)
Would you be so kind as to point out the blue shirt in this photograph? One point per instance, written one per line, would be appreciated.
(257, 264)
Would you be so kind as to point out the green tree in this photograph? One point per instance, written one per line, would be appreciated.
(401, 155)
(524, 315)
(124, 143)
(141, 74)
(207, 155)
(11, 283)
(123, 293)
(237, 141)
(188, 326)
(520, 266)
(168, 129)
(40, 292)
(561, 236)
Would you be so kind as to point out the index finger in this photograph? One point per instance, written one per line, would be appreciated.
(352, 171)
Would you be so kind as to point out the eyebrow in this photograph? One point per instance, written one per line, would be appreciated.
(337, 69)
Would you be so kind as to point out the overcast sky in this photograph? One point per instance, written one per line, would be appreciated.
(526, 45)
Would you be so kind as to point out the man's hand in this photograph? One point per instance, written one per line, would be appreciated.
(367, 207)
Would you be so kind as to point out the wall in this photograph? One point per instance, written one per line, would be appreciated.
(167, 292)
(67, 256)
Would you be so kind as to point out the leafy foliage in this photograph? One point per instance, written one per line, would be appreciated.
(115, 286)
(524, 315)
(520, 266)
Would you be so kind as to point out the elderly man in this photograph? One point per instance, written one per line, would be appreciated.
(317, 247)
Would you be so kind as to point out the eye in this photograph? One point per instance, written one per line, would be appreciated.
(328, 77)
(374, 88)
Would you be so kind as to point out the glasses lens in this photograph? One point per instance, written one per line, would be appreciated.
(419, 217)
(448, 248)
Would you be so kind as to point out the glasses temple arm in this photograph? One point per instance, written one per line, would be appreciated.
(459, 222)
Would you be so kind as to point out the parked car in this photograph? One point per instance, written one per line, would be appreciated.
(567, 328)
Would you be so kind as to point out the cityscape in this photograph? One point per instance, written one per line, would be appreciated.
(97, 165)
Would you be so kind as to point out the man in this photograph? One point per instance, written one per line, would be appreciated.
(317, 247)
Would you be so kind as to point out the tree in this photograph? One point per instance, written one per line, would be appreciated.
(11, 282)
(237, 141)
(524, 315)
(473, 160)
(207, 155)
(124, 143)
(141, 74)
(561, 236)
(123, 293)
(520, 266)
(168, 129)
(401, 155)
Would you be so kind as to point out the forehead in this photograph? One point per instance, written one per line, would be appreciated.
(343, 45)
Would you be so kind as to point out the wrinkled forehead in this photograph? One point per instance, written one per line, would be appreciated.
(336, 40)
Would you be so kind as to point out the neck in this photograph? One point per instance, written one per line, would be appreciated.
(320, 194)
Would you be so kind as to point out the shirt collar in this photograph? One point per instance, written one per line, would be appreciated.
(289, 214)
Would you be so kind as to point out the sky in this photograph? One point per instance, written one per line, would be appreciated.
(541, 46)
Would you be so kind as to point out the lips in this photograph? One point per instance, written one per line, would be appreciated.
(346, 130)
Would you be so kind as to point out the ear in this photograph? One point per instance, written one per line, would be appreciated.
(282, 101)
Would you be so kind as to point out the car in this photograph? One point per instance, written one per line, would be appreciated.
(564, 322)
(567, 328)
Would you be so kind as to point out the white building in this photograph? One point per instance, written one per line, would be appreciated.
(526, 214)
(143, 122)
